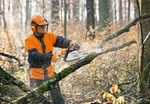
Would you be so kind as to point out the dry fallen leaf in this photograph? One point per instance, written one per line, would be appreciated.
(108, 96)
(120, 100)
(114, 89)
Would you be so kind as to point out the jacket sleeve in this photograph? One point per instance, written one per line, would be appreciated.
(62, 42)
(37, 59)
(33, 53)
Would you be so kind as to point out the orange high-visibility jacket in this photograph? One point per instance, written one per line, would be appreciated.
(39, 50)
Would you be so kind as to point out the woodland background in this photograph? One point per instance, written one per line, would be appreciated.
(118, 76)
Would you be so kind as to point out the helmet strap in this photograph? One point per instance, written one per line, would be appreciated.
(38, 34)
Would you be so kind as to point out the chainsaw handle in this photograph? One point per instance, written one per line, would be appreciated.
(70, 50)
(72, 47)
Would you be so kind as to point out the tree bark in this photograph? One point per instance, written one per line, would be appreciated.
(145, 59)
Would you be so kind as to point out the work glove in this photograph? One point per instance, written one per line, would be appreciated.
(74, 45)
(55, 58)
(62, 53)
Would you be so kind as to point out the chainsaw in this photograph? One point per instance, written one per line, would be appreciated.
(74, 54)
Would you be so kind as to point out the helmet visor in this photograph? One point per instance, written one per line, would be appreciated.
(43, 24)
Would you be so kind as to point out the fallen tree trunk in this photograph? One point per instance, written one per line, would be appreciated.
(66, 71)
(14, 81)
(11, 83)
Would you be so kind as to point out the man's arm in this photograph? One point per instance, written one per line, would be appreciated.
(62, 42)
(39, 60)
(34, 54)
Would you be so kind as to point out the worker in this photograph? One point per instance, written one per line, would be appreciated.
(39, 46)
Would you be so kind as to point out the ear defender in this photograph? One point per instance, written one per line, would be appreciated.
(33, 28)
(47, 23)
(45, 20)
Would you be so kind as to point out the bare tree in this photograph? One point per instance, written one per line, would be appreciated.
(128, 10)
(3, 15)
(103, 13)
(55, 14)
(65, 18)
(90, 19)
(0, 11)
(120, 12)
(43, 7)
(115, 12)
(28, 12)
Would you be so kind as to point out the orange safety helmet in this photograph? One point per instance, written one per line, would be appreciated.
(37, 20)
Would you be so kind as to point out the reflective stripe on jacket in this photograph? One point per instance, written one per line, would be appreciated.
(39, 61)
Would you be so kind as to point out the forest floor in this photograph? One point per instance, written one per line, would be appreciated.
(111, 77)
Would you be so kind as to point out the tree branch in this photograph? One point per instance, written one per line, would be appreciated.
(9, 56)
(119, 47)
(125, 29)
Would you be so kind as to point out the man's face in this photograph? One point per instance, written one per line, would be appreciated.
(41, 29)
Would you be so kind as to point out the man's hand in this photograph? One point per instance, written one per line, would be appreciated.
(74, 45)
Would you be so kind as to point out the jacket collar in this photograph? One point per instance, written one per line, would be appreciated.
(38, 37)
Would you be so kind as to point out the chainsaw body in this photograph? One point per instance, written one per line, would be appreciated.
(73, 55)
